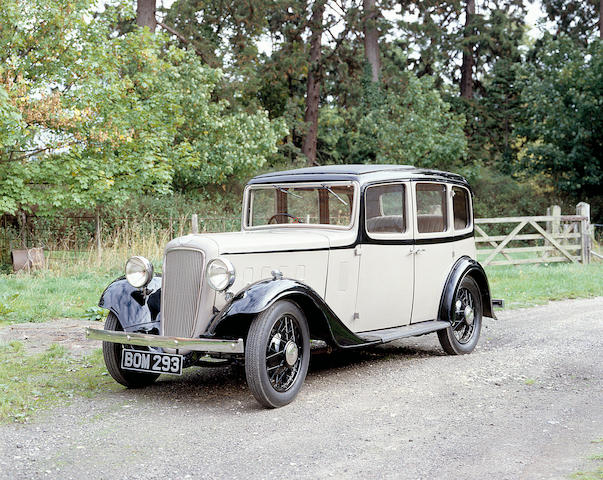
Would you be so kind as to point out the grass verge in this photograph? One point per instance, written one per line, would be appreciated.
(529, 285)
(29, 383)
(74, 293)
(43, 296)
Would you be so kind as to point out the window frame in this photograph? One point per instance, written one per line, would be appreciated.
(427, 235)
(247, 212)
(408, 233)
(469, 227)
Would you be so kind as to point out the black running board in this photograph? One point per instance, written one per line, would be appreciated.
(412, 330)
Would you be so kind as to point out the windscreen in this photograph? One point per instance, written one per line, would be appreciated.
(321, 204)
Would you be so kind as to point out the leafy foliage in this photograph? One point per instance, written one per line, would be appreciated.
(576, 19)
(95, 111)
(105, 116)
(561, 96)
(407, 124)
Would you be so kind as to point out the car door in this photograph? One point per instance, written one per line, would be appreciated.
(385, 280)
(434, 248)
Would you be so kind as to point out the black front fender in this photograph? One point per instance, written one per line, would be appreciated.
(134, 310)
(323, 322)
(465, 266)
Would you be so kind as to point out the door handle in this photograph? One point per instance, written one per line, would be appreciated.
(414, 251)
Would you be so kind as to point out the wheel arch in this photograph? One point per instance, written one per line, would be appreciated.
(465, 266)
(133, 309)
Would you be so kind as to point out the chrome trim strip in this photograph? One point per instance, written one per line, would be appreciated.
(212, 345)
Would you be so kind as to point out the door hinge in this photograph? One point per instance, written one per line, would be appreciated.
(358, 250)
(356, 316)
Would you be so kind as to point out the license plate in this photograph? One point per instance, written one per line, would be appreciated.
(151, 362)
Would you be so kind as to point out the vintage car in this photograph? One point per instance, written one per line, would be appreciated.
(350, 255)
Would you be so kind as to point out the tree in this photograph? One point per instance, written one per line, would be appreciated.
(104, 116)
(371, 38)
(430, 36)
(579, 20)
(405, 122)
(561, 95)
(145, 14)
(314, 78)
(468, 61)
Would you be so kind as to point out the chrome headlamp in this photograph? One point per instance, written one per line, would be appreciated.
(220, 274)
(139, 271)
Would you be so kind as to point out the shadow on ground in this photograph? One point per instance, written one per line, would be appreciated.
(220, 385)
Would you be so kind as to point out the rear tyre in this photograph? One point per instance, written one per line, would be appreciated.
(277, 354)
(466, 322)
(112, 355)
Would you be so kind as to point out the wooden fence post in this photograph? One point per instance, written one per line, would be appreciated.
(195, 223)
(98, 235)
(23, 221)
(583, 209)
(553, 226)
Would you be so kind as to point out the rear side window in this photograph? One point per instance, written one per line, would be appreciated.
(431, 208)
(460, 207)
(385, 209)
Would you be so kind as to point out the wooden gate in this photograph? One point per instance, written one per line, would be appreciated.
(540, 239)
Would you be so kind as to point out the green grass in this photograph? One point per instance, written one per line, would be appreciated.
(43, 296)
(528, 285)
(596, 475)
(29, 383)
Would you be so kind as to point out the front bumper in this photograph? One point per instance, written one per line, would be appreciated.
(209, 345)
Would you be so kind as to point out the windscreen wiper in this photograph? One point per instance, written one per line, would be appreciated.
(281, 189)
(330, 190)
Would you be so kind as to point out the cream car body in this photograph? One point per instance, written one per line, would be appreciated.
(350, 255)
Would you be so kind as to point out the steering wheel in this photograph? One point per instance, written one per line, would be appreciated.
(274, 217)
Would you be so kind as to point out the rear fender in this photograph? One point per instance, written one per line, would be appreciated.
(324, 324)
(465, 266)
(134, 310)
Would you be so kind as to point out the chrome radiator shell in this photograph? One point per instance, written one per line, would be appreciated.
(182, 286)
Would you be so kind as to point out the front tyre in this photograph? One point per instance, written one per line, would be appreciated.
(466, 323)
(112, 355)
(277, 354)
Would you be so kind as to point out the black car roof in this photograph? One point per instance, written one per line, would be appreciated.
(361, 173)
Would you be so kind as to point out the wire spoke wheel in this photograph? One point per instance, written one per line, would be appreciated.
(283, 354)
(466, 322)
(277, 354)
(463, 323)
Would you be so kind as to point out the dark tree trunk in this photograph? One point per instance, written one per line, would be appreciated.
(145, 14)
(371, 38)
(314, 79)
(468, 60)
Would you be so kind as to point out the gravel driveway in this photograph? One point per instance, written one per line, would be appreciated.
(528, 403)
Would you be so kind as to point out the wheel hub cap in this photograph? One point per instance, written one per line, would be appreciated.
(469, 315)
(291, 353)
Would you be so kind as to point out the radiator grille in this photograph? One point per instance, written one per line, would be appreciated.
(181, 291)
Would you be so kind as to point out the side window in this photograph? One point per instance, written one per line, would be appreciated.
(432, 215)
(385, 209)
(460, 208)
